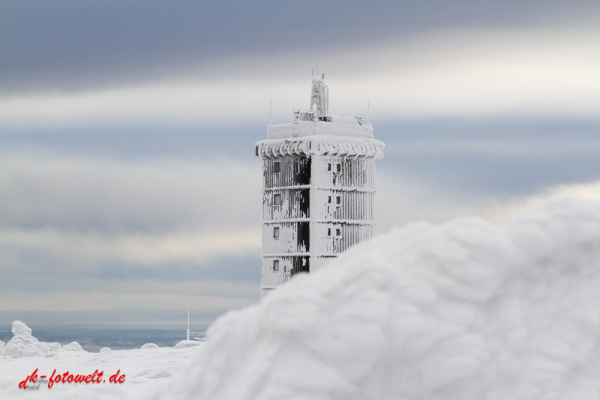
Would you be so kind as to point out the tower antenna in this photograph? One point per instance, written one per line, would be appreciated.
(188, 330)
(319, 98)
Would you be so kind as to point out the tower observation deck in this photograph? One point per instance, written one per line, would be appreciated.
(318, 189)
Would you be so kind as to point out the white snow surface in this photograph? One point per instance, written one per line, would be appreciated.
(466, 310)
(189, 343)
(144, 370)
(338, 126)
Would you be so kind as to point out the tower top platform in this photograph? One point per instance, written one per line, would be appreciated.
(306, 124)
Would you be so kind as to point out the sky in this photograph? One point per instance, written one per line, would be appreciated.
(129, 189)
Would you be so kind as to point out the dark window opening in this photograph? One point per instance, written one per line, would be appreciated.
(329, 167)
(328, 231)
(301, 170)
(300, 264)
(328, 199)
(277, 199)
(338, 232)
(276, 265)
(338, 168)
(338, 200)
(276, 232)
(305, 202)
(303, 235)
(277, 167)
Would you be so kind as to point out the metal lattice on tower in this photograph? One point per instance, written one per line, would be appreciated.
(318, 189)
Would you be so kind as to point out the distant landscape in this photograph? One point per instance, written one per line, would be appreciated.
(93, 339)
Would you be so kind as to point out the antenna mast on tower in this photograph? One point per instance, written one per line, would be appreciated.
(319, 98)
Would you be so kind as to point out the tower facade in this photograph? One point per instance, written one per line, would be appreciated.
(318, 189)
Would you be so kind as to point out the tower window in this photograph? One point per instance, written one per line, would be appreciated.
(338, 200)
(328, 199)
(338, 232)
(277, 199)
(329, 167)
(338, 168)
(276, 232)
(276, 265)
(328, 231)
(276, 167)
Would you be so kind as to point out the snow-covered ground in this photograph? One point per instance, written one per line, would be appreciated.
(144, 368)
(462, 311)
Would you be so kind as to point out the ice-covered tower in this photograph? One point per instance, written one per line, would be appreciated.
(318, 189)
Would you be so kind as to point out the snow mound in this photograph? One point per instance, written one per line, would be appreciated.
(105, 350)
(20, 329)
(149, 346)
(462, 311)
(23, 344)
(183, 344)
(73, 346)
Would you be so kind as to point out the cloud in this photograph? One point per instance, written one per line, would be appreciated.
(86, 301)
(480, 72)
(68, 47)
(527, 72)
(107, 226)
(80, 249)
(103, 195)
(405, 199)
(523, 204)
(508, 146)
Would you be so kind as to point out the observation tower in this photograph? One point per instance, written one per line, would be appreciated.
(318, 189)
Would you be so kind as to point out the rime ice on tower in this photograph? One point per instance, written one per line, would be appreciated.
(318, 189)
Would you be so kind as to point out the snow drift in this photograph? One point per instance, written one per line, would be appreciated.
(23, 344)
(466, 310)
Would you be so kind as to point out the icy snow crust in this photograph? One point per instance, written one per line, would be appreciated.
(461, 311)
(321, 145)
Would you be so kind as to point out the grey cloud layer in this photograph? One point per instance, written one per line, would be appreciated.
(90, 227)
(111, 196)
(71, 46)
